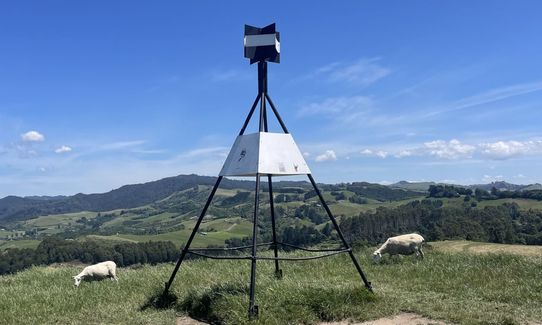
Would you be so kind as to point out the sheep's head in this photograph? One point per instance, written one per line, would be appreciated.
(77, 280)
(376, 257)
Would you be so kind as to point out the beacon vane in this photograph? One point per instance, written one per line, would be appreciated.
(262, 44)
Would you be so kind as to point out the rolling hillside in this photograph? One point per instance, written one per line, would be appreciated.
(166, 210)
(137, 195)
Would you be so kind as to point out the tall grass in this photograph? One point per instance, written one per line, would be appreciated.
(456, 287)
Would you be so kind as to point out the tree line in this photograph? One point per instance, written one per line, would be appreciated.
(505, 223)
(449, 191)
(57, 250)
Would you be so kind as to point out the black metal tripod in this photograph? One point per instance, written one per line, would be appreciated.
(262, 98)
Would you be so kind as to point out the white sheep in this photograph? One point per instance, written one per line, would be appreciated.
(98, 271)
(403, 245)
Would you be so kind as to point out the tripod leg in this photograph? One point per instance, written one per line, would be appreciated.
(249, 116)
(276, 113)
(192, 235)
(345, 243)
(278, 271)
(253, 309)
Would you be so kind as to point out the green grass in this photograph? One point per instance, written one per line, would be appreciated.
(462, 288)
(58, 219)
(523, 203)
(5, 234)
(224, 229)
(23, 243)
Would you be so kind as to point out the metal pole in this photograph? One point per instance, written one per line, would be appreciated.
(264, 115)
(278, 271)
(250, 115)
(193, 234)
(253, 309)
(276, 113)
(262, 89)
(345, 243)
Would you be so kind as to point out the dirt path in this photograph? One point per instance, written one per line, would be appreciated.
(455, 246)
(231, 227)
(405, 318)
(185, 320)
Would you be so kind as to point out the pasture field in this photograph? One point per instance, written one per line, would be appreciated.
(212, 232)
(523, 203)
(58, 219)
(22, 243)
(131, 224)
(455, 287)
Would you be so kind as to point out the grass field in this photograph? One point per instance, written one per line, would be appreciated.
(58, 219)
(212, 232)
(454, 286)
(523, 203)
(23, 243)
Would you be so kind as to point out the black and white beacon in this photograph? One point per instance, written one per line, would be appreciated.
(262, 44)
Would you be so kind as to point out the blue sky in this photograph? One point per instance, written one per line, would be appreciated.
(98, 94)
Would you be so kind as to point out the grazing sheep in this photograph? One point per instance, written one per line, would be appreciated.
(403, 244)
(98, 271)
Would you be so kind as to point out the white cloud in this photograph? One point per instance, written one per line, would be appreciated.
(404, 153)
(362, 72)
(499, 94)
(338, 107)
(63, 149)
(374, 153)
(149, 151)
(453, 149)
(490, 96)
(122, 145)
(507, 149)
(327, 156)
(206, 152)
(32, 136)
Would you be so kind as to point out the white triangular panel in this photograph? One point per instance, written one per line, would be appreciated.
(243, 157)
(264, 153)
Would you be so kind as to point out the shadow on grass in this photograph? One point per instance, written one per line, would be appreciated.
(197, 304)
(288, 306)
(201, 305)
(159, 300)
(327, 304)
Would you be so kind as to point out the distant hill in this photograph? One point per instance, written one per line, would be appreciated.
(504, 186)
(531, 187)
(380, 192)
(501, 186)
(128, 196)
(413, 186)
(137, 195)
